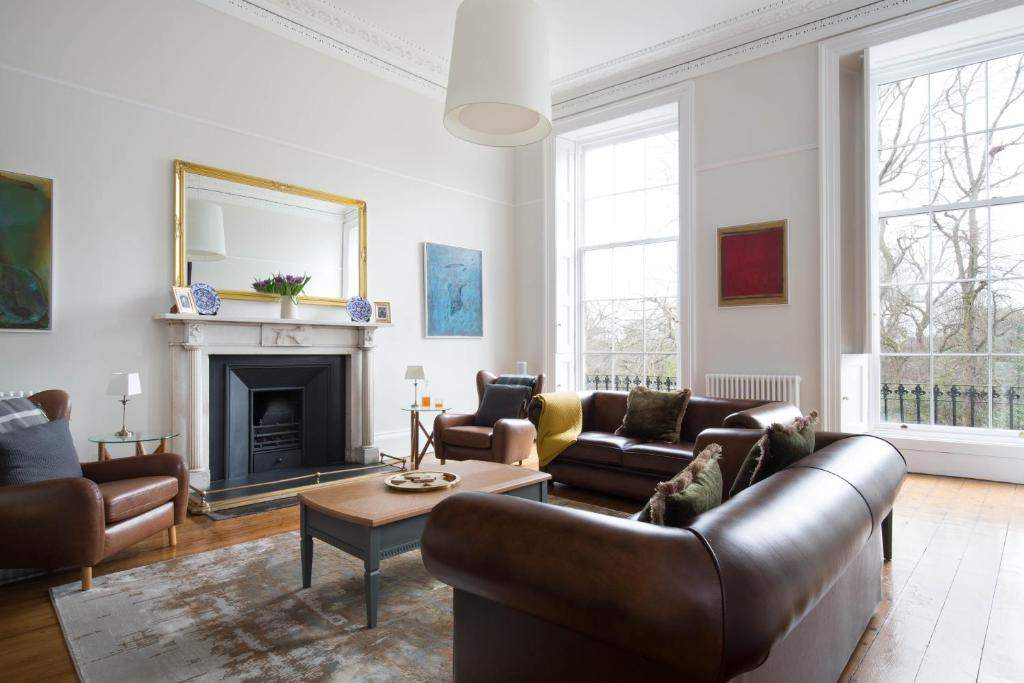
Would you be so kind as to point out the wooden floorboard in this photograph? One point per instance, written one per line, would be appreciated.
(952, 599)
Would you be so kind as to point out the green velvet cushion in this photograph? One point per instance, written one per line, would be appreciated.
(780, 447)
(696, 489)
(654, 415)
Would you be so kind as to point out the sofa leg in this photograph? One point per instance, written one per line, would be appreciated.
(86, 578)
(887, 537)
(172, 536)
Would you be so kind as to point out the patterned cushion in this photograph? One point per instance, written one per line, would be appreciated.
(18, 413)
(38, 453)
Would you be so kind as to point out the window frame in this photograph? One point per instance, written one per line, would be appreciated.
(876, 76)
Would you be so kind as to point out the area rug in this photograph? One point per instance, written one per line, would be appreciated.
(239, 614)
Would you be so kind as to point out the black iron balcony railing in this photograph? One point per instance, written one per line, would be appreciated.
(957, 405)
(627, 382)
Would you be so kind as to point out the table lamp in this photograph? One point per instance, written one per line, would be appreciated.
(124, 384)
(415, 373)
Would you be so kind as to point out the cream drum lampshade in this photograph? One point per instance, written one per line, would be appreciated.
(499, 85)
(205, 231)
(124, 384)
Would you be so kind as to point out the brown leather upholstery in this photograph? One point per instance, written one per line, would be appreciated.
(704, 603)
(630, 468)
(127, 498)
(456, 436)
(78, 522)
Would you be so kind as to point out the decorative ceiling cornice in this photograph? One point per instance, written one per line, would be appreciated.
(329, 28)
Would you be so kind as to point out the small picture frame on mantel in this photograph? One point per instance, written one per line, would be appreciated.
(184, 301)
(382, 311)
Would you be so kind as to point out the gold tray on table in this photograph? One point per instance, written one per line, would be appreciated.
(419, 480)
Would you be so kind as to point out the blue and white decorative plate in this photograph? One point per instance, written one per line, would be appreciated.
(359, 309)
(207, 300)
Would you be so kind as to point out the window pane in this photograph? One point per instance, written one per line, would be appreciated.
(630, 170)
(1006, 91)
(598, 221)
(597, 274)
(598, 326)
(960, 317)
(1007, 240)
(629, 366)
(902, 112)
(661, 372)
(903, 177)
(958, 169)
(958, 100)
(904, 319)
(660, 269)
(662, 214)
(903, 243)
(959, 244)
(627, 272)
(598, 171)
(596, 368)
(962, 382)
(1006, 158)
(662, 320)
(663, 159)
(1008, 378)
(629, 325)
(1008, 316)
(911, 373)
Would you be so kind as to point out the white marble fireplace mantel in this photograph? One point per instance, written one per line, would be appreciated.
(194, 338)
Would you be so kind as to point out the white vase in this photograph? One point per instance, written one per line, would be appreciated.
(289, 308)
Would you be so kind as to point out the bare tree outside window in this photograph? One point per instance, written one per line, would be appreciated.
(951, 246)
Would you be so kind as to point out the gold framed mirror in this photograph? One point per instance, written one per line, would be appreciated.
(231, 229)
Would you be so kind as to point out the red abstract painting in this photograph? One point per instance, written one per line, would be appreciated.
(752, 264)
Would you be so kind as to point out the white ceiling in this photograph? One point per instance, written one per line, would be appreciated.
(583, 33)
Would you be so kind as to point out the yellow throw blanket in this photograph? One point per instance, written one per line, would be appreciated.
(560, 422)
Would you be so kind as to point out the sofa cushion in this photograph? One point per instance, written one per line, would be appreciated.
(19, 413)
(502, 401)
(663, 459)
(696, 489)
(38, 453)
(599, 448)
(469, 436)
(127, 498)
(780, 447)
(654, 415)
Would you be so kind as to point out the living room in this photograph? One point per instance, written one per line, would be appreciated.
(292, 290)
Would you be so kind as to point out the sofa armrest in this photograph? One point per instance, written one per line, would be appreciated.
(445, 421)
(513, 440)
(51, 524)
(528, 556)
(155, 465)
(735, 443)
(822, 439)
(763, 416)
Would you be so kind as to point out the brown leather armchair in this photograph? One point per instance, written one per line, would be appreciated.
(79, 522)
(456, 437)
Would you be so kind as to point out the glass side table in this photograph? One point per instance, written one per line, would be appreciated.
(415, 427)
(137, 438)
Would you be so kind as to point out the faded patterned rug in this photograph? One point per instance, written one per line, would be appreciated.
(238, 614)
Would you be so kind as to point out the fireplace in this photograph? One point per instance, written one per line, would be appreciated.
(275, 414)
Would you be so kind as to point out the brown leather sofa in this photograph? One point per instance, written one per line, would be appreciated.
(79, 522)
(776, 584)
(627, 467)
(457, 437)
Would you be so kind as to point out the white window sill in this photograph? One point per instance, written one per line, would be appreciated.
(993, 444)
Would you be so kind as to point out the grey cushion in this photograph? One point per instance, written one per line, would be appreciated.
(502, 401)
(18, 413)
(38, 453)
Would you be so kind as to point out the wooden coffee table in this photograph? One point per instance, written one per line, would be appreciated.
(366, 519)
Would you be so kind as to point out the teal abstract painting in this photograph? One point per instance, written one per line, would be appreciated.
(454, 291)
(26, 252)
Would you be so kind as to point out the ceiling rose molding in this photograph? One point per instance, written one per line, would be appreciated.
(631, 82)
(328, 28)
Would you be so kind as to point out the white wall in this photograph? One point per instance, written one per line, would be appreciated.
(102, 96)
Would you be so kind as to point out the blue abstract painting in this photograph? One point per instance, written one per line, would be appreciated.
(454, 291)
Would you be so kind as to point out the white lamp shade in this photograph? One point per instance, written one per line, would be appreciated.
(204, 231)
(414, 372)
(124, 384)
(499, 85)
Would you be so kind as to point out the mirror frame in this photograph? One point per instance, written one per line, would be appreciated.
(180, 238)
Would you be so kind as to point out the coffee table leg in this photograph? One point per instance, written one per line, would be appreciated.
(306, 544)
(371, 577)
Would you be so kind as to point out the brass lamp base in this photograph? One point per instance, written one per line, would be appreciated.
(123, 433)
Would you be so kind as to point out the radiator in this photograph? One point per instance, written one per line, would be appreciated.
(760, 387)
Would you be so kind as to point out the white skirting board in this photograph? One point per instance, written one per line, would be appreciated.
(969, 465)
